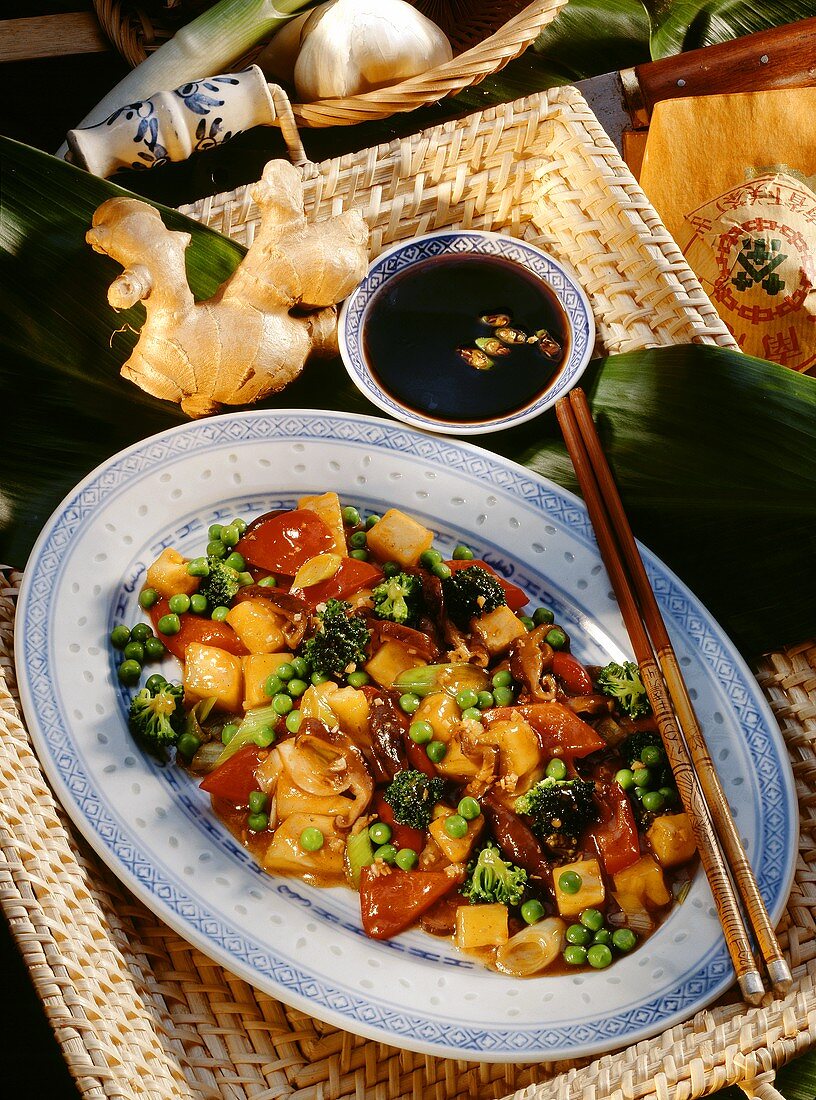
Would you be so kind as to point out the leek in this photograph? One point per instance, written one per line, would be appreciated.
(207, 46)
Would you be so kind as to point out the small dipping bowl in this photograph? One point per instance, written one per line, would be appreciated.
(401, 330)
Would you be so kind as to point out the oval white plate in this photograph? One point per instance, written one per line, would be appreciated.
(154, 827)
(454, 242)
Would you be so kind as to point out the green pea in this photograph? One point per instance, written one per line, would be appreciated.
(570, 882)
(455, 826)
(638, 793)
(380, 833)
(179, 604)
(502, 679)
(642, 777)
(526, 622)
(421, 732)
(230, 535)
(282, 704)
(652, 755)
(467, 697)
(592, 919)
(358, 679)
(441, 570)
(557, 769)
(273, 685)
(154, 649)
(625, 778)
(285, 672)
(390, 569)
(387, 853)
(155, 683)
(556, 638)
(188, 745)
(624, 939)
(218, 614)
(134, 651)
(241, 524)
(140, 633)
(148, 598)
(169, 624)
(214, 531)
(669, 795)
(359, 555)
(473, 713)
(245, 579)
(576, 933)
(469, 808)
(216, 549)
(409, 702)
(318, 678)
(532, 911)
(436, 751)
(293, 720)
(268, 582)
(351, 517)
(129, 672)
(198, 567)
(485, 700)
(430, 558)
(599, 956)
(236, 561)
(503, 696)
(296, 688)
(301, 667)
(358, 540)
(119, 637)
(603, 935)
(463, 553)
(575, 955)
(257, 801)
(406, 859)
(258, 822)
(228, 732)
(371, 521)
(653, 801)
(198, 603)
(264, 738)
(542, 616)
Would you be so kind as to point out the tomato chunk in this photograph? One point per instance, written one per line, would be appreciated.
(196, 628)
(615, 835)
(571, 673)
(349, 578)
(234, 780)
(560, 731)
(402, 836)
(515, 596)
(284, 542)
(392, 902)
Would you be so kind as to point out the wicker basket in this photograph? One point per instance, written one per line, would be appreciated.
(140, 1014)
(485, 36)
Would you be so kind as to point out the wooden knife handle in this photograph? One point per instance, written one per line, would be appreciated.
(783, 57)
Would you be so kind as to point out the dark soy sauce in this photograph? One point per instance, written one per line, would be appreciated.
(417, 321)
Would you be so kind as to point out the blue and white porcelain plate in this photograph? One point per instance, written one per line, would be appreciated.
(155, 829)
(418, 250)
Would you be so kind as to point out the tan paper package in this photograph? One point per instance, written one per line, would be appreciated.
(734, 179)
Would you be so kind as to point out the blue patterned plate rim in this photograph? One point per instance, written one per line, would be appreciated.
(405, 254)
(211, 930)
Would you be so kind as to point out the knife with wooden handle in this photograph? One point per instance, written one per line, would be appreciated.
(783, 57)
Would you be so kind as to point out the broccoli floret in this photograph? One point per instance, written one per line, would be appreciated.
(470, 593)
(221, 583)
(412, 796)
(340, 643)
(632, 752)
(399, 599)
(490, 878)
(157, 717)
(559, 811)
(624, 684)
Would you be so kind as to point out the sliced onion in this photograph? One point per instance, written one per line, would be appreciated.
(206, 757)
(532, 949)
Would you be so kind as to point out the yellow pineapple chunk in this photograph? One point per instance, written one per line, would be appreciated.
(351, 708)
(258, 667)
(643, 881)
(481, 926)
(168, 575)
(257, 625)
(590, 893)
(497, 629)
(389, 661)
(519, 748)
(400, 538)
(314, 703)
(286, 856)
(671, 839)
(455, 849)
(213, 673)
(327, 507)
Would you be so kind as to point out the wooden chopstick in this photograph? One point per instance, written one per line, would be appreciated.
(777, 966)
(725, 899)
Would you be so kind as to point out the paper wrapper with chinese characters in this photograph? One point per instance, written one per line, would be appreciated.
(733, 178)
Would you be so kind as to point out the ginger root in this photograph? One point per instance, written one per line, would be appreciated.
(244, 342)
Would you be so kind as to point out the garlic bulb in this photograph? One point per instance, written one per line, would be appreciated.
(351, 46)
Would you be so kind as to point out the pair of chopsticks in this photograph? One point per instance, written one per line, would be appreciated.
(701, 793)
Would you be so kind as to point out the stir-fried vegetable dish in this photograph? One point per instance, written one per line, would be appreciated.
(364, 712)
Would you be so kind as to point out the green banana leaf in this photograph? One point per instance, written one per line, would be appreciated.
(679, 25)
(715, 452)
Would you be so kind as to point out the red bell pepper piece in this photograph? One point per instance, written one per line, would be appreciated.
(349, 578)
(402, 836)
(284, 542)
(515, 596)
(615, 835)
(392, 902)
(234, 780)
(419, 759)
(571, 673)
(560, 731)
(196, 628)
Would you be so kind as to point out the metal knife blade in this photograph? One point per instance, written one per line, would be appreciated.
(606, 99)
